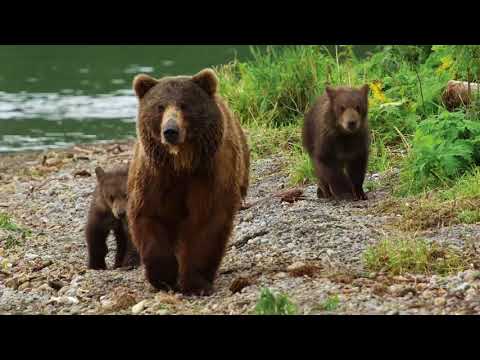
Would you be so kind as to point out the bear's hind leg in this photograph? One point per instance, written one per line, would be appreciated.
(334, 179)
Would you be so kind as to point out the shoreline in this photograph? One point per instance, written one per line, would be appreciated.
(310, 249)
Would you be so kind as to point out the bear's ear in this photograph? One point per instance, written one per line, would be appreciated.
(207, 80)
(331, 92)
(365, 89)
(100, 173)
(142, 83)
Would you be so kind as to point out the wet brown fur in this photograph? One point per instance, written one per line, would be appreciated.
(107, 211)
(339, 156)
(182, 199)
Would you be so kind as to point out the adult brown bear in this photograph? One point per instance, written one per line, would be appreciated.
(187, 180)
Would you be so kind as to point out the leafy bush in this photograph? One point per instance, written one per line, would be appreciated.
(444, 147)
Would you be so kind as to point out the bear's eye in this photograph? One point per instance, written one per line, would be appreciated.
(357, 108)
(111, 199)
(161, 108)
(342, 108)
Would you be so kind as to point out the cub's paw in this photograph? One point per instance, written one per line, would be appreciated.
(96, 265)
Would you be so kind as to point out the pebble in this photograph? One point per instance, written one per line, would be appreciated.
(472, 275)
(441, 301)
(462, 288)
(295, 265)
(138, 308)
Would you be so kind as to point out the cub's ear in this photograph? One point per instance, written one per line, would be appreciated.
(331, 92)
(207, 80)
(100, 173)
(365, 90)
(142, 83)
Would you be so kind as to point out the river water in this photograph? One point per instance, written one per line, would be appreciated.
(56, 96)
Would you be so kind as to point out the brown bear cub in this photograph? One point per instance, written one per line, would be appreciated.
(336, 136)
(188, 178)
(108, 213)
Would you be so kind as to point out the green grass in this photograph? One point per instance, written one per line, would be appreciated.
(271, 304)
(16, 233)
(469, 216)
(445, 206)
(411, 129)
(406, 254)
(331, 303)
(300, 167)
(7, 223)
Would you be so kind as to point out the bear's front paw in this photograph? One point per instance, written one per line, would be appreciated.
(196, 286)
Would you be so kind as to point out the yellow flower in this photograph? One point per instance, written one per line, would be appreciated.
(377, 92)
(446, 63)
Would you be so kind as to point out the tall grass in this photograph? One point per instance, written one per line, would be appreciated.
(272, 92)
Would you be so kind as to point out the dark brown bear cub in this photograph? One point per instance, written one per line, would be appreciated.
(336, 136)
(107, 213)
(187, 179)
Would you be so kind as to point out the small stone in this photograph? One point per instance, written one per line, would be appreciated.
(379, 289)
(471, 294)
(162, 312)
(30, 256)
(72, 300)
(12, 283)
(295, 265)
(24, 286)
(281, 275)
(441, 301)
(107, 305)
(462, 288)
(138, 308)
(330, 252)
(472, 275)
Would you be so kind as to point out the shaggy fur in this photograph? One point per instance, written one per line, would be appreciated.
(183, 195)
(336, 136)
(107, 213)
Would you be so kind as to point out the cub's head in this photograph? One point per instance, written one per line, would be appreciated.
(350, 107)
(113, 188)
(179, 115)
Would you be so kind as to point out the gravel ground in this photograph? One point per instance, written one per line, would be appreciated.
(310, 250)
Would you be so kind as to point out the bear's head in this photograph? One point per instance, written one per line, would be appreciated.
(179, 120)
(113, 189)
(350, 107)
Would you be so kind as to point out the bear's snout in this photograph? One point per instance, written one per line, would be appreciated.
(352, 125)
(171, 132)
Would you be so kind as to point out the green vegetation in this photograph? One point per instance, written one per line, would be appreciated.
(331, 303)
(270, 304)
(401, 255)
(14, 234)
(6, 223)
(436, 152)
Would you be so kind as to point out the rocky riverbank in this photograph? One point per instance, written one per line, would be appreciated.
(309, 249)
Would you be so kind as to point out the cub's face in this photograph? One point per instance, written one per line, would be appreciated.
(350, 107)
(113, 188)
(175, 111)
